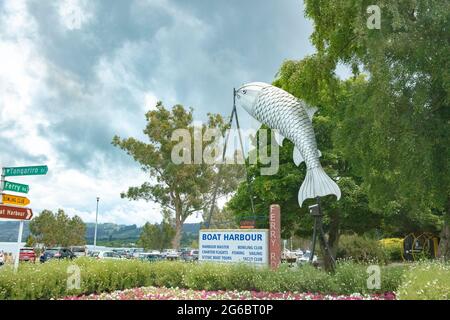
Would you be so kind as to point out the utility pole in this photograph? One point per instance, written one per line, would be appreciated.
(96, 220)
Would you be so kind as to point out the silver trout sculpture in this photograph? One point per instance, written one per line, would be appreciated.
(291, 117)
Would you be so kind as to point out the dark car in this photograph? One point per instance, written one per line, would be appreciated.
(57, 253)
(151, 257)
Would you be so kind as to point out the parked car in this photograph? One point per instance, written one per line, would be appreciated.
(107, 255)
(191, 255)
(298, 253)
(27, 254)
(56, 253)
(121, 253)
(93, 254)
(172, 255)
(2, 258)
(79, 251)
(151, 257)
(305, 258)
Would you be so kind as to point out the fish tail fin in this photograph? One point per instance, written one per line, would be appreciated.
(317, 183)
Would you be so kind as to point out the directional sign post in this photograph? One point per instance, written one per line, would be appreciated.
(16, 187)
(15, 200)
(24, 171)
(16, 213)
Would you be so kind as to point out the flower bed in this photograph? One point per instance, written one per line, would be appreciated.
(155, 293)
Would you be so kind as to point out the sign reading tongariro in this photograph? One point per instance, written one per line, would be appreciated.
(234, 245)
(25, 171)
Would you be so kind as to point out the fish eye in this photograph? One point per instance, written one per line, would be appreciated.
(244, 91)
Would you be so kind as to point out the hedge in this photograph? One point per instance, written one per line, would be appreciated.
(49, 280)
(361, 249)
(393, 248)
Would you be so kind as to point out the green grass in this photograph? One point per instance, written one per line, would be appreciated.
(426, 281)
(49, 280)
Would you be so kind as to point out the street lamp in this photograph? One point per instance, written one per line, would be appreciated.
(95, 232)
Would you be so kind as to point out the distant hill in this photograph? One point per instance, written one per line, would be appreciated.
(106, 232)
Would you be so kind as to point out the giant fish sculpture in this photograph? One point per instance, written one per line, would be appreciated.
(292, 118)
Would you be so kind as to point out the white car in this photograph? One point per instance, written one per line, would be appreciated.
(172, 255)
(2, 258)
(298, 253)
(107, 255)
(305, 258)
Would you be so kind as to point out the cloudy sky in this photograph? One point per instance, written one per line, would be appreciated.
(74, 73)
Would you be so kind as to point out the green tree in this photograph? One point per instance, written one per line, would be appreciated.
(350, 214)
(30, 241)
(57, 229)
(395, 132)
(221, 218)
(43, 230)
(181, 188)
(156, 236)
(76, 233)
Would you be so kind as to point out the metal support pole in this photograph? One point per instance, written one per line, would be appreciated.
(313, 249)
(19, 243)
(216, 187)
(95, 232)
(322, 236)
(316, 212)
(213, 201)
(249, 185)
(325, 245)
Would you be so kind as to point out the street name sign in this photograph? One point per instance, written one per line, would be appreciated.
(25, 171)
(15, 200)
(16, 187)
(17, 213)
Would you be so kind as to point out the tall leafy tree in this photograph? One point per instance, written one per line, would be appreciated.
(57, 229)
(156, 236)
(221, 218)
(397, 135)
(181, 188)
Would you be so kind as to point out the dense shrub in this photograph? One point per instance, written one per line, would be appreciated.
(393, 248)
(49, 280)
(360, 249)
(426, 281)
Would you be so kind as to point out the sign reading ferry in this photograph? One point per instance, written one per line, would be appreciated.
(234, 245)
(25, 171)
(17, 213)
(16, 187)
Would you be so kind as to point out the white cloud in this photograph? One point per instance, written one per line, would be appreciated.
(22, 84)
(150, 101)
(22, 80)
(74, 14)
(58, 104)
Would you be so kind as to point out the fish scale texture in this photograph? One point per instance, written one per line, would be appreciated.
(281, 110)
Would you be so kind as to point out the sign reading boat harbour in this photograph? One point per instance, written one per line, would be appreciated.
(234, 245)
